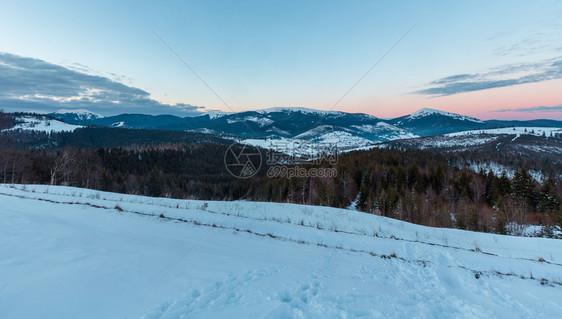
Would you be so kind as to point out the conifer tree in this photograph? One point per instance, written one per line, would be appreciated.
(155, 183)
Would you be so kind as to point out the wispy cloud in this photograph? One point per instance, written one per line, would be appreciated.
(534, 42)
(529, 39)
(557, 108)
(506, 75)
(32, 84)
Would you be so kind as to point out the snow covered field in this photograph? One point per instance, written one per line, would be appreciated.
(74, 253)
(38, 123)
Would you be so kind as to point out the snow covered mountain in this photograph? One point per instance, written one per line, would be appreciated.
(78, 115)
(424, 112)
(298, 109)
(77, 253)
(428, 121)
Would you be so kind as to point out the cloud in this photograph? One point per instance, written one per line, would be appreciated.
(506, 75)
(557, 108)
(534, 42)
(28, 84)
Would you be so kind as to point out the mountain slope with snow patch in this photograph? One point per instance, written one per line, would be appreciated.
(428, 111)
(426, 121)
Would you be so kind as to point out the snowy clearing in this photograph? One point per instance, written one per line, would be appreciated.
(77, 253)
(499, 169)
(43, 124)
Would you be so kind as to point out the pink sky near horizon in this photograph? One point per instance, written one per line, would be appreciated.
(482, 104)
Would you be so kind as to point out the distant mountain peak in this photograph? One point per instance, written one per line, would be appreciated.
(217, 114)
(82, 114)
(429, 111)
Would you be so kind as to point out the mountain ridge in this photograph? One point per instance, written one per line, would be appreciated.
(296, 123)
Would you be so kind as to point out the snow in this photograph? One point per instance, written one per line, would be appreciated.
(217, 114)
(261, 121)
(498, 169)
(44, 124)
(315, 132)
(277, 130)
(118, 124)
(385, 131)
(368, 128)
(297, 109)
(345, 139)
(517, 131)
(459, 143)
(202, 130)
(311, 111)
(353, 205)
(463, 140)
(82, 114)
(428, 111)
(309, 142)
(552, 149)
(77, 253)
(265, 143)
(532, 230)
(344, 142)
(293, 147)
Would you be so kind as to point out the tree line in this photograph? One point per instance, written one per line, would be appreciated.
(415, 186)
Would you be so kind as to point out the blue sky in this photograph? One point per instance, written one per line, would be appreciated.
(499, 59)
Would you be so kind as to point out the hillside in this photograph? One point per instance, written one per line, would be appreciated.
(539, 148)
(73, 252)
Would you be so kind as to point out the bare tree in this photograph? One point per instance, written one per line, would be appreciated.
(62, 167)
(347, 185)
